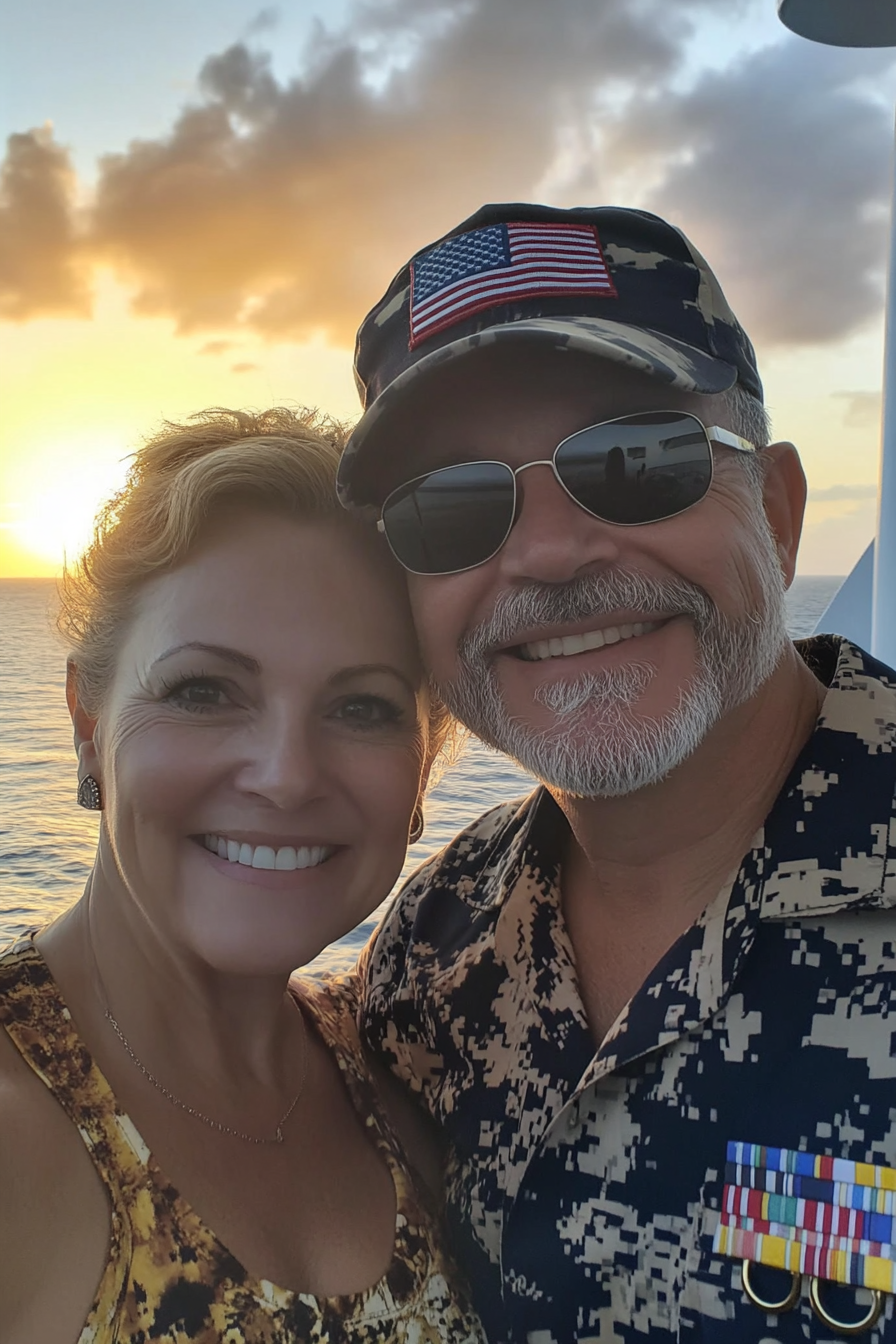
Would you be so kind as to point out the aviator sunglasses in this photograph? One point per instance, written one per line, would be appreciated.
(628, 471)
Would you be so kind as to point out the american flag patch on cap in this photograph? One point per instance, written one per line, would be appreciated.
(823, 1216)
(500, 263)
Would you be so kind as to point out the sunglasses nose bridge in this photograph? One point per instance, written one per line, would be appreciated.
(542, 462)
(515, 472)
(550, 462)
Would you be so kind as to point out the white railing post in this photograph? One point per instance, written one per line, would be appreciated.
(868, 23)
(883, 620)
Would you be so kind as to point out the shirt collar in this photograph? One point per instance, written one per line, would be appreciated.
(824, 843)
(822, 849)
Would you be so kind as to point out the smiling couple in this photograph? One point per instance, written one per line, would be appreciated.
(650, 1007)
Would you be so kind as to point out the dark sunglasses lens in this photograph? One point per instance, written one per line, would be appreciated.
(639, 469)
(452, 519)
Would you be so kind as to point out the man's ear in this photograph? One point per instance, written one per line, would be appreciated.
(84, 725)
(784, 497)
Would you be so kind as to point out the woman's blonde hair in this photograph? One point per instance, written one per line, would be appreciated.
(278, 459)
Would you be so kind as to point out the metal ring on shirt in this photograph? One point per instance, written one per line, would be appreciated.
(773, 1308)
(868, 1321)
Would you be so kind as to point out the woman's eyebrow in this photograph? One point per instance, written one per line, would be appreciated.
(217, 650)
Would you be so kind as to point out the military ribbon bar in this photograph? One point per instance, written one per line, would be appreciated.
(811, 1214)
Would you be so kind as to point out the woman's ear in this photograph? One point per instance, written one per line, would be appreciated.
(84, 725)
(784, 498)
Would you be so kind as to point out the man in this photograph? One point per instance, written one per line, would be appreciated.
(653, 1006)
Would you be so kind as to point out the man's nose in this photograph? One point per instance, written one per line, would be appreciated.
(553, 538)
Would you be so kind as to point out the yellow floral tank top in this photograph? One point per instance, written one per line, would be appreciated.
(168, 1277)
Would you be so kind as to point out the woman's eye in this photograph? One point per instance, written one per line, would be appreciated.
(369, 711)
(196, 693)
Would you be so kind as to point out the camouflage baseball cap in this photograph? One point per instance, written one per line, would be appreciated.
(620, 284)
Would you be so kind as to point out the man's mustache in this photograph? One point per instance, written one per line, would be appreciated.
(539, 606)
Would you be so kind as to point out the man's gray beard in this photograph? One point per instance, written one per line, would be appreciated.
(598, 745)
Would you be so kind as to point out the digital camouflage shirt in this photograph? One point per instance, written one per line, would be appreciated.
(742, 1108)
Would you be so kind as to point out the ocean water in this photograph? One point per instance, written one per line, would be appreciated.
(47, 842)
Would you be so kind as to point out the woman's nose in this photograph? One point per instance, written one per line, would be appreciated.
(286, 763)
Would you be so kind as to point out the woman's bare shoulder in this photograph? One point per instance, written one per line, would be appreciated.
(53, 1208)
(31, 1163)
(25, 1108)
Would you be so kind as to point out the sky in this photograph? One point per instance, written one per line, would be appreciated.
(199, 203)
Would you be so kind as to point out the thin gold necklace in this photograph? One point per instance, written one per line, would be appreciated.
(169, 1096)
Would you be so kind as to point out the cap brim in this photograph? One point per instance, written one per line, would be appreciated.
(674, 362)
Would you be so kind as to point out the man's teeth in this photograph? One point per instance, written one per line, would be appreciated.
(284, 860)
(595, 639)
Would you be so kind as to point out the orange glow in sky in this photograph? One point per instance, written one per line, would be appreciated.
(79, 396)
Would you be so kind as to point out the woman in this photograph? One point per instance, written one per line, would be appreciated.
(188, 1151)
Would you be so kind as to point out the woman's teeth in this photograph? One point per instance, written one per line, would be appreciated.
(284, 860)
(595, 639)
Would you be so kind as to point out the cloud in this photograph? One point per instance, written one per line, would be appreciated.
(41, 271)
(286, 207)
(842, 493)
(781, 165)
(215, 347)
(264, 21)
(244, 366)
(863, 409)
(283, 207)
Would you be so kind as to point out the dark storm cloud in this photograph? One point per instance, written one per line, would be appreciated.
(286, 207)
(41, 272)
(781, 166)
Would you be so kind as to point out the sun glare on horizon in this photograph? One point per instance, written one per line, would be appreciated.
(51, 520)
(79, 397)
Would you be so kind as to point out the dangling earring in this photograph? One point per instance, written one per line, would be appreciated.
(416, 825)
(89, 795)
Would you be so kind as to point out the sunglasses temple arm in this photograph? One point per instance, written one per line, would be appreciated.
(730, 440)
